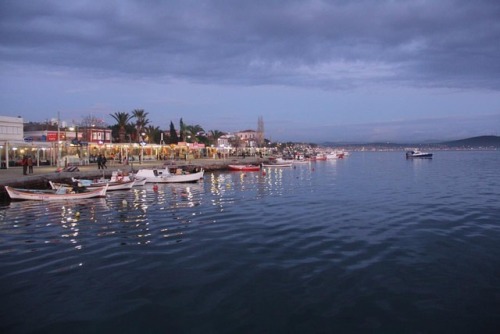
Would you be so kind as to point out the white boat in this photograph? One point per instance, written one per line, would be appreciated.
(120, 176)
(418, 154)
(112, 185)
(301, 161)
(62, 194)
(335, 155)
(166, 175)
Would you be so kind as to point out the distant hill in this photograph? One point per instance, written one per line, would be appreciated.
(481, 142)
(475, 142)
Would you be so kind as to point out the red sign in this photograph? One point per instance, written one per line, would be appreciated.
(52, 136)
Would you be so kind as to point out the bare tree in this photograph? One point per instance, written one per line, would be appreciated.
(91, 121)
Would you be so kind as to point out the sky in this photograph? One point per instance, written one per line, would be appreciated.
(315, 71)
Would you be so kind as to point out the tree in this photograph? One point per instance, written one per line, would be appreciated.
(153, 133)
(195, 132)
(260, 131)
(181, 130)
(174, 139)
(141, 121)
(91, 121)
(122, 119)
(214, 136)
(236, 142)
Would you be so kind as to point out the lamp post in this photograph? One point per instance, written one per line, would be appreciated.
(58, 139)
(142, 146)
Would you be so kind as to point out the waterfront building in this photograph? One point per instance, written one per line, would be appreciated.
(14, 144)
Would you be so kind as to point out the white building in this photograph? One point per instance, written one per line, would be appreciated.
(13, 144)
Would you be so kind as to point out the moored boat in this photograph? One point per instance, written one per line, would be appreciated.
(62, 194)
(165, 175)
(120, 176)
(244, 168)
(283, 164)
(112, 185)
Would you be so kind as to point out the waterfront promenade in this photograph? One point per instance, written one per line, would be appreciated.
(13, 176)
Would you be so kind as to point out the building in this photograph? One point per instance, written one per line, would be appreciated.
(14, 145)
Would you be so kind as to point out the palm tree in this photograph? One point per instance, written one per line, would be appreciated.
(141, 120)
(214, 136)
(153, 133)
(193, 131)
(122, 118)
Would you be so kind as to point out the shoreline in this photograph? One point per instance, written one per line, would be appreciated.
(41, 176)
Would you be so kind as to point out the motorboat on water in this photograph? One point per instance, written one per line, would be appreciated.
(169, 175)
(418, 154)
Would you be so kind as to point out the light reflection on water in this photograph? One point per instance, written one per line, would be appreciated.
(372, 238)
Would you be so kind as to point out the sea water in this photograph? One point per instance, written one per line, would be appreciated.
(370, 243)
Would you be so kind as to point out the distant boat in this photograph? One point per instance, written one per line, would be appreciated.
(244, 168)
(62, 194)
(418, 154)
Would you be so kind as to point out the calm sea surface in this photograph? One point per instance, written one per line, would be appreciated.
(371, 243)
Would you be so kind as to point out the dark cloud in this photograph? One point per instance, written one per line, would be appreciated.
(330, 44)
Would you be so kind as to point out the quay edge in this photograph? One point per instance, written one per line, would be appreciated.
(42, 175)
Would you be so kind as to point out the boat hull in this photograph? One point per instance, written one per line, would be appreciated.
(278, 165)
(244, 168)
(34, 195)
(424, 155)
(164, 176)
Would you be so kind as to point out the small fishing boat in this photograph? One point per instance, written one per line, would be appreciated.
(244, 168)
(120, 176)
(112, 185)
(318, 157)
(169, 175)
(301, 161)
(281, 164)
(418, 154)
(61, 194)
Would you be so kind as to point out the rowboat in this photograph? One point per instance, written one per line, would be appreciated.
(112, 185)
(164, 175)
(62, 194)
(244, 168)
(283, 164)
(120, 176)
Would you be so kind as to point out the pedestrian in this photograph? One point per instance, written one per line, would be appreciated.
(30, 165)
(103, 162)
(99, 161)
(24, 163)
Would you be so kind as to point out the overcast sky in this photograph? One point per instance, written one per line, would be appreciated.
(314, 70)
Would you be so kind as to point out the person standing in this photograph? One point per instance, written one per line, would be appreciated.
(103, 162)
(24, 163)
(30, 165)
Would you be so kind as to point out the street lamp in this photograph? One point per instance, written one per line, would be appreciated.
(142, 146)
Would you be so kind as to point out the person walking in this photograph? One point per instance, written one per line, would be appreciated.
(103, 162)
(24, 163)
(99, 161)
(30, 165)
